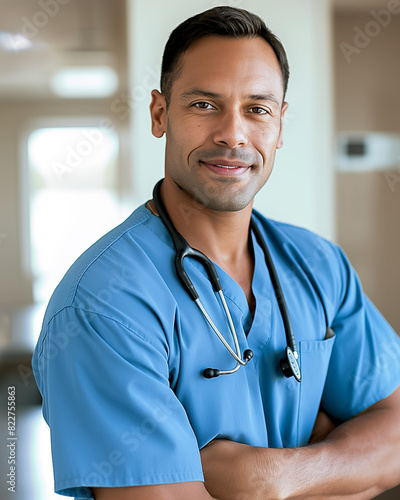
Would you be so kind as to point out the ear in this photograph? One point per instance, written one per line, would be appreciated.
(158, 112)
(280, 140)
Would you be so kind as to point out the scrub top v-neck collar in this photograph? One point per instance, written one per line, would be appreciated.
(257, 327)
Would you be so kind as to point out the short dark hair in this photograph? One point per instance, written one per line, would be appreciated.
(219, 21)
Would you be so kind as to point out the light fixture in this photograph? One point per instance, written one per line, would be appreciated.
(14, 42)
(84, 82)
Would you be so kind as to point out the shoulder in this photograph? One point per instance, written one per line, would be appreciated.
(120, 265)
(304, 256)
(290, 238)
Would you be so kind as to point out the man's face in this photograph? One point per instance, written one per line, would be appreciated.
(224, 121)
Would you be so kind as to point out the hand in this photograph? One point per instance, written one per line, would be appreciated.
(322, 427)
(224, 476)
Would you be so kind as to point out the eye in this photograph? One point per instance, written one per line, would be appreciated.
(259, 111)
(203, 105)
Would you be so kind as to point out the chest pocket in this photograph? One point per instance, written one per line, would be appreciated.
(314, 362)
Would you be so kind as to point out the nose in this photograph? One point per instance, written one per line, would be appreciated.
(231, 130)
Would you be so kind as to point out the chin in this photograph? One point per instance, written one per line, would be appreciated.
(230, 205)
(220, 200)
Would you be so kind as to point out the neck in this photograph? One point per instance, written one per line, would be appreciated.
(222, 236)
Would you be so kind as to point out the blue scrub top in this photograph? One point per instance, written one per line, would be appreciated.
(120, 357)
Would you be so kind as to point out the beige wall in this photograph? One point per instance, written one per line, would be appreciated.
(15, 284)
(368, 204)
(367, 87)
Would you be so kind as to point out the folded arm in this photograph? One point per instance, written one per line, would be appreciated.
(357, 460)
(176, 491)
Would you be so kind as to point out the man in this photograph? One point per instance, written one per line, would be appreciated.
(123, 348)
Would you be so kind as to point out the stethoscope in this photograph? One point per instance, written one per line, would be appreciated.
(289, 364)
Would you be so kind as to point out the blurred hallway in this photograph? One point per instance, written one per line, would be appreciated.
(360, 211)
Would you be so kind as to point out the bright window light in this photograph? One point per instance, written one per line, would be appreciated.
(73, 198)
(85, 82)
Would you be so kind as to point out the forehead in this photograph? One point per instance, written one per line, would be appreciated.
(240, 66)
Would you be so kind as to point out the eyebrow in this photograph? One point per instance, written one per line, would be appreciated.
(265, 97)
(213, 95)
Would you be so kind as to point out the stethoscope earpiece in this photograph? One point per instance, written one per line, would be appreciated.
(211, 373)
(214, 372)
(247, 355)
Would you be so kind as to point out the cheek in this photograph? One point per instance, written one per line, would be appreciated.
(266, 140)
(179, 150)
(188, 132)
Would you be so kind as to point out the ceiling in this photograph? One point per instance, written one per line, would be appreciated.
(62, 33)
(77, 33)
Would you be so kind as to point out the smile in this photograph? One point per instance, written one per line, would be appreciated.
(228, 167)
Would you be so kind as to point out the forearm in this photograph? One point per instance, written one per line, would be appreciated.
(172, 491)
(356, 461)
(359, 459)
(365, 495)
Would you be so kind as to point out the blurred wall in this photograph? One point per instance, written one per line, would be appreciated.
(367, 83)
(367, 79)
(74, 33)
(300, 190)
(17, 119)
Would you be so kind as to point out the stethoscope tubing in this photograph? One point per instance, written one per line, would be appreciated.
(289, 364)
(236, 355)
(290, 339)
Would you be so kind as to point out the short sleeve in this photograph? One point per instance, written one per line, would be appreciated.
(113, 417)
(364, 366)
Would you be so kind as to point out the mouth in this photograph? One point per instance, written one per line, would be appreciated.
(225, 167)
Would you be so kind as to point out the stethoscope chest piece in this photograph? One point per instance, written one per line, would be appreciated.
(289, 365)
